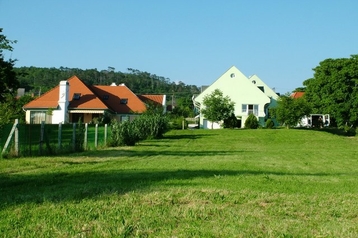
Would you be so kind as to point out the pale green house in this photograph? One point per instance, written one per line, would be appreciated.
(251, 96)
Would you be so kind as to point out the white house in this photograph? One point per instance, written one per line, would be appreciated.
(251, 96)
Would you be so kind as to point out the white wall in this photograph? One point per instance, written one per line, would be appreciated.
(240, 89)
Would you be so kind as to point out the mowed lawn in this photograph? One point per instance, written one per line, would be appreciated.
(192, 183)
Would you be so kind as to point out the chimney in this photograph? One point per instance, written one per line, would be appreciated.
(64, 91)
(61, 114)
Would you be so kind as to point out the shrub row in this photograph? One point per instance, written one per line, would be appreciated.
(146, 126)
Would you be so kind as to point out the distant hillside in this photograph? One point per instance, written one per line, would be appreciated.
(39, 80)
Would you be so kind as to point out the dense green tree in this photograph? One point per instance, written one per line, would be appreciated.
(299, 89)
(40, 80)
(184, 107)
(217, 107)
(8, 81)
(231, 122)
(334, 90)
(289, 111)
(11, 109)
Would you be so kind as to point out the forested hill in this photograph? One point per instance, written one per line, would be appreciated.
(39, 80)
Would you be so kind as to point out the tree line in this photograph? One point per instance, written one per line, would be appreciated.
(38, 80)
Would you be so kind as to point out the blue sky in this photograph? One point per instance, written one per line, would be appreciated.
(193, 41)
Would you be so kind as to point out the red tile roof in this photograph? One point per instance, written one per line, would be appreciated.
(297, 94)
(88, 99)
(115, 94)
(152, 98)
(47, 100)
(96, 97)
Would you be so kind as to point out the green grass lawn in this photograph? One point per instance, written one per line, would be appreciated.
(192, 183)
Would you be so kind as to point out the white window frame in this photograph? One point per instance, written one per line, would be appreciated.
(248, 109)
(37, 117)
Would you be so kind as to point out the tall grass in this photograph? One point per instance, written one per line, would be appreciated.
(192, 183)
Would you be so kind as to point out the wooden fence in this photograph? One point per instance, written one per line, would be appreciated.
(48, 139)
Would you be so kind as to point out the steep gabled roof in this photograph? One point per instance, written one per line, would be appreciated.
(233, 83)
(120, 98)
(87, 100)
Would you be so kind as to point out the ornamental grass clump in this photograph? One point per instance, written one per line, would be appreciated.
(146, 126)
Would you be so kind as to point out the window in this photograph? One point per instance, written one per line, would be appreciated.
(124, 118)
(244, 108)
(76, 96)
(261, 88)
(105, 97)
(256, 110)
(39, 117)
(232, 75)
(250, 109)
(123, 101)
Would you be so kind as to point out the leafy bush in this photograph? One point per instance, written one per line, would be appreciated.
(230, 122)
(102, 119)
(349, 130)
(176, 123)
(269, 124)
(115, 136)
(251, 122)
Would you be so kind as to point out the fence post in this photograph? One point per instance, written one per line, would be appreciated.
(17, 137)
(13, 129)
(42, 132)
(74, 137)
(59, 135)
(105, 134)
(96, 137)
(85, 139)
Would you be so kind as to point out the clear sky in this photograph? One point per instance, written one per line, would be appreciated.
(193, 41)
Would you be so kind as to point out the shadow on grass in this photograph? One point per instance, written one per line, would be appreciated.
(75, 186)
(150, 153)
(331, 130)
(187, 136)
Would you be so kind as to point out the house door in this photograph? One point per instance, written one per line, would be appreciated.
(205, 124)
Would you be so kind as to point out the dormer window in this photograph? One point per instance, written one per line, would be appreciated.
(105, 97)
(123, 101)
(76, 96)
